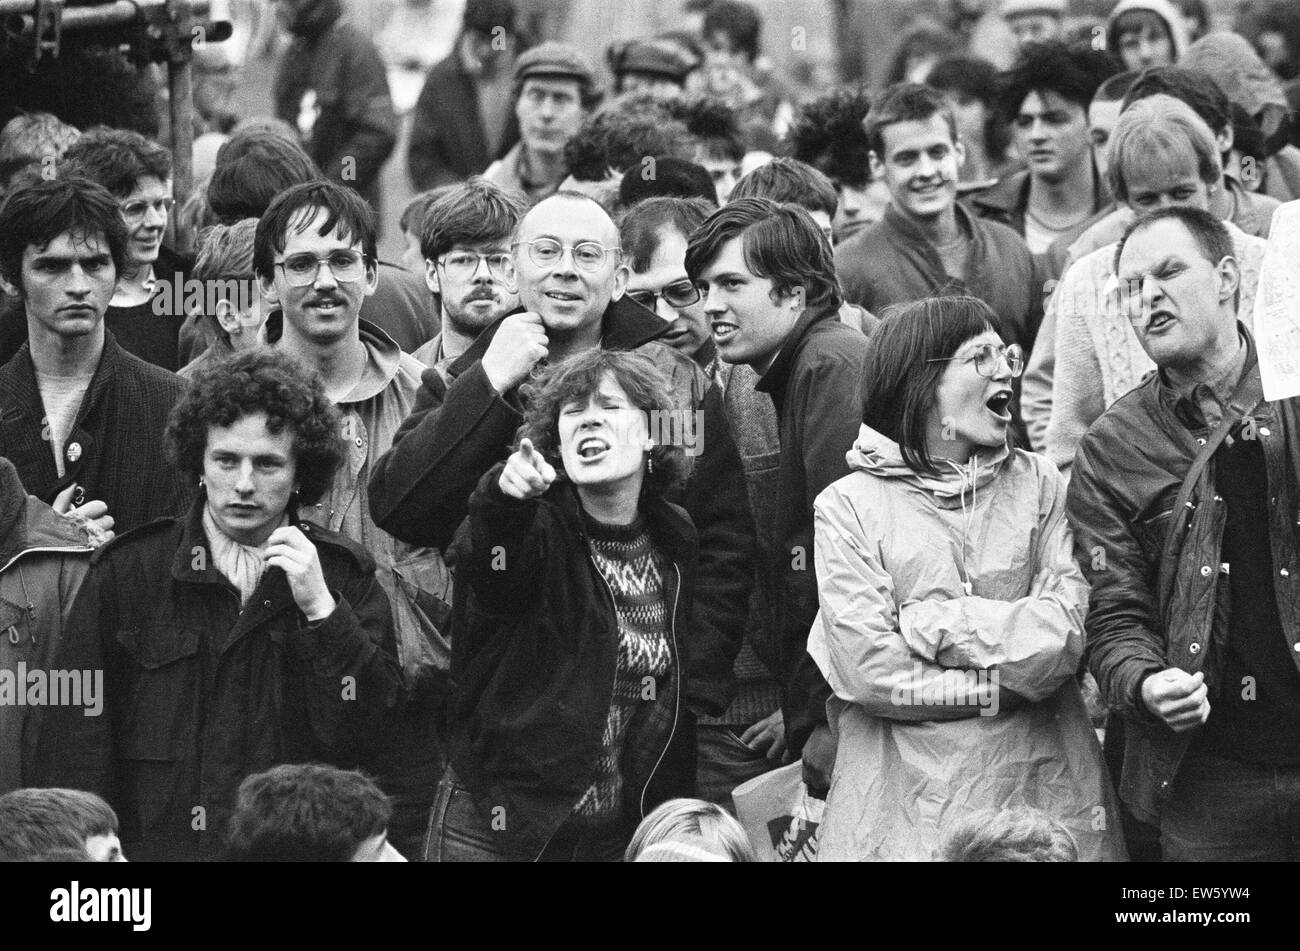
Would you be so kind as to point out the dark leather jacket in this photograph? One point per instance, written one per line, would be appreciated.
(1126, 478)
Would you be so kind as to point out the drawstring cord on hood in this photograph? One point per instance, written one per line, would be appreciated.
(966, 515)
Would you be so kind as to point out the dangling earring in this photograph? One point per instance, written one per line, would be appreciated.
(650, 465)
(200, 482)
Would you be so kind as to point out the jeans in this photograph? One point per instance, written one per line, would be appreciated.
(1223, 810)
(725, 763)
(459, 832)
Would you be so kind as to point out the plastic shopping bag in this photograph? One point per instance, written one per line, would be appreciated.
(779, 815)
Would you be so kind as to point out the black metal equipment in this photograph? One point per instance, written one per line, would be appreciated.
(150, 31)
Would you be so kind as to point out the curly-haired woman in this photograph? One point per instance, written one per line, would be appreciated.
(573, 591)
(234, 638)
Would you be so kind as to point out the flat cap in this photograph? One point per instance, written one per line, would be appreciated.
(654, 57)
(554, 59)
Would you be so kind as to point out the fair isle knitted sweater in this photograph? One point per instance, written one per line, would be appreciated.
(1098, 356)
(634, 570)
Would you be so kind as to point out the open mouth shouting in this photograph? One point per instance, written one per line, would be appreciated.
(999, 404)
(592, 449)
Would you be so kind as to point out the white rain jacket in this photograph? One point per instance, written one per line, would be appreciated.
(951, 631)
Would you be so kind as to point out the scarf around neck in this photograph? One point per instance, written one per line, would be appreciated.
(241, 564)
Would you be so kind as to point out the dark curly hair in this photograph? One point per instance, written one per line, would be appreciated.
(576, 379)
(260, 381)
(714, 125)
(827, 134)
(621, 136)
(117, 159)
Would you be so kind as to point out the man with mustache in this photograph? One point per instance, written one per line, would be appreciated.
(314, 255)
(465, 243)
(926, 244)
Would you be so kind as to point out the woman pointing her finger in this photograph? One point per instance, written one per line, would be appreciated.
(573, 590)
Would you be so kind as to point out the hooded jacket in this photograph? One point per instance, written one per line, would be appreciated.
(534, 659)
(420, 488)
(355, 127)
(951, 631)
(1162, 8)
(1236, 67)
(43, 561)
(201, 694)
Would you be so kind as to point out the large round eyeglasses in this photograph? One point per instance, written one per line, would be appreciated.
(988, 358)
(303, 269)
(547, 252)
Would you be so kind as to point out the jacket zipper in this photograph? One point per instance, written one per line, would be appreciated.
(677, 676)
(613, 683)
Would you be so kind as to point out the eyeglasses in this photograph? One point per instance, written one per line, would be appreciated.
(679, 294)
(463, 265)
(547, 252)
(303, 269)
(136, 210)
(988, 358)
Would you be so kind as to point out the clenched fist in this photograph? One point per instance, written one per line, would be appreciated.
(516, 347)
(527, 474)
(1178, 698)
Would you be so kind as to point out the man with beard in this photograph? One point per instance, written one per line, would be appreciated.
(465, 241)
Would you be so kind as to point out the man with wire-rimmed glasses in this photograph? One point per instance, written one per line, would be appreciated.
(465, 242)
(571, 278)
(314, 255)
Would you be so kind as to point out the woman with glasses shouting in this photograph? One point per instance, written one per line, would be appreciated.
(146, 312)
(951, 621)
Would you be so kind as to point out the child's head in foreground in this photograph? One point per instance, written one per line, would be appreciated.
(1019, 834)
(689, 830)
(39, 824)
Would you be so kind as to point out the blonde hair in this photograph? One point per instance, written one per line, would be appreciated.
(1017, 834)
(690, 830)
(1165, 132)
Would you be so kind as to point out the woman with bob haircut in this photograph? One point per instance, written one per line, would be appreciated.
(234, 638)
(574, 586)
(690, 830)
(951, 622)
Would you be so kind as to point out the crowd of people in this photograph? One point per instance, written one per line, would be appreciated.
(916, 436)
